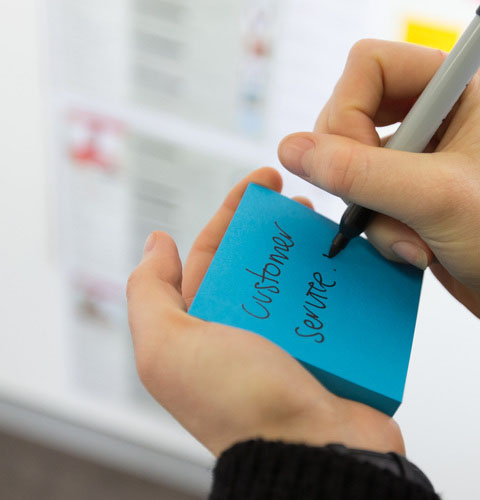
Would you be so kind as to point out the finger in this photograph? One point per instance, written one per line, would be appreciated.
(155, 305)
(397, 242)
(209, 239)
(380, 83)
(410, 187)
(303, 200)
(168, 342)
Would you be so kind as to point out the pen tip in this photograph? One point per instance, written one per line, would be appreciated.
(338, 244)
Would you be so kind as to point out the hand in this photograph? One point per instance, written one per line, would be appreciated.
(429, 202)
(224, 384)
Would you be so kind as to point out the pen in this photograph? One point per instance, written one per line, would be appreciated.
(423, 119)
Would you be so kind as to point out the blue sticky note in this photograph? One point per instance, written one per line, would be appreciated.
(348, 320)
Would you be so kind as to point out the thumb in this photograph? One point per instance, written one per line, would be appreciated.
(407, 186)
(156, 309)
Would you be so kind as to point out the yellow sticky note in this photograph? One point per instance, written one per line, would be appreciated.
(431, 34)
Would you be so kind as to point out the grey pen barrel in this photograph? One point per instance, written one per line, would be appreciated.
(441, 94)
(425, 117)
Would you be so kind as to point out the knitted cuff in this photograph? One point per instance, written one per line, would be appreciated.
(258, 469)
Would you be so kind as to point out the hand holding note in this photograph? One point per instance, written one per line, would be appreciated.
(224, 384)
(429, 203)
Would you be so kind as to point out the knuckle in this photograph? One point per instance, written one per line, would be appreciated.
(167, 274)
(157, 271)
(450, 195)
(345, 171)
(456, 187)
(363, 47)
(442, 55)
(133, 281)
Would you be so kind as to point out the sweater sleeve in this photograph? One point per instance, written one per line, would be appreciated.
(260, 470)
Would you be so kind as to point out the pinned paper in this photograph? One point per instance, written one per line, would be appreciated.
(349, 320)
(431, 34)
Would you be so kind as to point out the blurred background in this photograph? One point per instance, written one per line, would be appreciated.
(124, 116)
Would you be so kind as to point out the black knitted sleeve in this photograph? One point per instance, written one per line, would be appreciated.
(261, 470)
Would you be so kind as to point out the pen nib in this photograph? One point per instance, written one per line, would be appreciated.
(338, 244)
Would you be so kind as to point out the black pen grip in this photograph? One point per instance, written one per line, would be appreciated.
(355, 220)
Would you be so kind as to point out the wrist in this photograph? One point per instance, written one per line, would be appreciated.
(346, 422)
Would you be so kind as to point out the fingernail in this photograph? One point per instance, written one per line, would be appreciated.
(294, 154)
(411, 253)
(149, 244)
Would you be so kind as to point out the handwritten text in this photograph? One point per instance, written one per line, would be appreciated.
(269, 276)
(316, 300)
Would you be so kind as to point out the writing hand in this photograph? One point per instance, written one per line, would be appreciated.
(224, 384)
(428, 203)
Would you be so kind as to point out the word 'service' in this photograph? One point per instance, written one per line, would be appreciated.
(316, 299)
